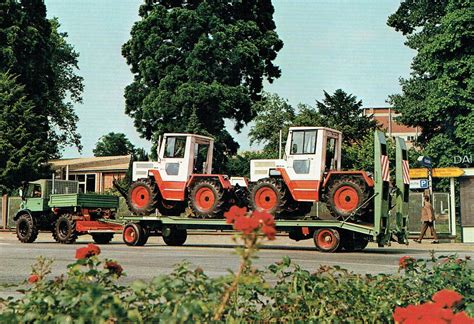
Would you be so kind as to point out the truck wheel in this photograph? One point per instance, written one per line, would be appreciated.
(134, 235)
(65, 230)
(268, 195)
(26, 230)
(327, 240)
(143, 196)
(345, 196)
(102, 238)
(175, 237)
(207, 198)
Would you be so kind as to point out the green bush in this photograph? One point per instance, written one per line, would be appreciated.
(283, 292)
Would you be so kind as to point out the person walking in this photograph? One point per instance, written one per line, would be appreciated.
(428, 218)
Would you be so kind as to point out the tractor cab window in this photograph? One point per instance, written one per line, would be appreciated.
(175, 146)
(34, 191)
(303, 142)
(200, 158)
(331, 154)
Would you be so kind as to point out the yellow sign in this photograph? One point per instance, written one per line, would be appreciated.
(437, 173)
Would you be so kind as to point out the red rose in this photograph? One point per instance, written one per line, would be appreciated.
(446, 298)
(269, 231)
(33, 278)
(462, 318)
(114, 267)
(88, 251)
(234, 213)
(405, 262)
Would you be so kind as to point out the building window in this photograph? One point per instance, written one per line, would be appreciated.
(86, 181)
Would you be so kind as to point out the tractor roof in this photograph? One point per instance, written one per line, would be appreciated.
(188, 134)
(313, 127)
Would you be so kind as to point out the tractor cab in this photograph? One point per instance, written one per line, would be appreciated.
(35, 194)
(312, 151)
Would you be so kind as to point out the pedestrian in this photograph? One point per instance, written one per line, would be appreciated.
(428, 218)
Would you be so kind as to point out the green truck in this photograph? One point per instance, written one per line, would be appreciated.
(58, 207)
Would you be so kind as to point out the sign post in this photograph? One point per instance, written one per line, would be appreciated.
(427, 163)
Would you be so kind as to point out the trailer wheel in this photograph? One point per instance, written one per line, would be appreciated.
(26, 230)
(327, 240)
(207, 198)
(345, 196)
(268, 195)
(143, 196)
(102, 238)
(175, 237)
(134, 235)
(65, 230)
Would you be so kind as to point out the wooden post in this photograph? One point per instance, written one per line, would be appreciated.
(4, 211)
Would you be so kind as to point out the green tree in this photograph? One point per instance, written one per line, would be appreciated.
(21, 154)
(273, 114)
(239, 164)
(113, 144)
(208, 55)
(32, 48)
(438, 96)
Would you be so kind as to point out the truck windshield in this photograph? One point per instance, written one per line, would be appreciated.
(303, 142)
(175, 146)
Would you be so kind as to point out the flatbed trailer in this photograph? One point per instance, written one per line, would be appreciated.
(389, 221)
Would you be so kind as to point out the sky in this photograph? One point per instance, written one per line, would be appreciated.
(328, 45)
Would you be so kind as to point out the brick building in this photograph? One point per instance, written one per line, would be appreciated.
(94, 174)
(386, 117)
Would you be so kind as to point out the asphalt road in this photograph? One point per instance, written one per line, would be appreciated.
(213, 253)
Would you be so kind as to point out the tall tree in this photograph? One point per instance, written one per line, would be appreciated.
(209, 55)
(21, 155)
(32, 48)
(439, 95)
(114, 144)
(273, 114)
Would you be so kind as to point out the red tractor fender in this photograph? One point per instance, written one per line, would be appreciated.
(370, 182)
(223, 179)
(169, 190)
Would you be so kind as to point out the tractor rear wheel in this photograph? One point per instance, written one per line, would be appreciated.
(175, 236)
(327, 239)
(206, 198)
(26, 230)
(143, 196)
(102, 238)
(269, 195)
(345, 197)
(65, 230)
(135, 235)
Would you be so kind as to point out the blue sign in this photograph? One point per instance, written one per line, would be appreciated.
(424, 184)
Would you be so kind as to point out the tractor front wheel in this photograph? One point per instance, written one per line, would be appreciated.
(65, 230)
(268, 195)
(142, 197)
(206, 198)
(26, 230)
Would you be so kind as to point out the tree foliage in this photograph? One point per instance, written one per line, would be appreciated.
(32, 48)
(21, 155)
(114, 144)
(207, 58)
(438, 96)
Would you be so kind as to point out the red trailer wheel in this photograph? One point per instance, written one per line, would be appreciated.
(134, 235)
(327, 239)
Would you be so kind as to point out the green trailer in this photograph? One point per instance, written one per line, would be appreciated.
(389, 199)
(58, 207)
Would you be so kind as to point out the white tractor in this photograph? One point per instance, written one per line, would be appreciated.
(310, 172)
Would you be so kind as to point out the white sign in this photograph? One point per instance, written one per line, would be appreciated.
(419, 184)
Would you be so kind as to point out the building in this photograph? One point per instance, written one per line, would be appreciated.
(94, 174)
(386, 116)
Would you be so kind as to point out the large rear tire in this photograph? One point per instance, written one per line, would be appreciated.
(26, 229)
(143, 197)
(269, 195)
(345, 197)
(65, 230)
(207, 199)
